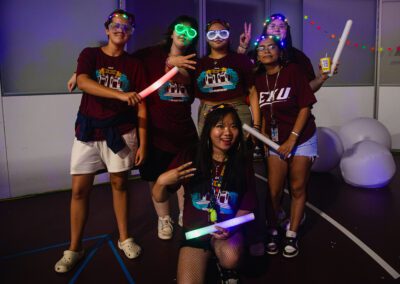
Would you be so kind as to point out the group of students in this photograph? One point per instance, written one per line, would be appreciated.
(210, 169)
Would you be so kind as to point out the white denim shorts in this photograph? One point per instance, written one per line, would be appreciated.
(94, 156)
(307, 149)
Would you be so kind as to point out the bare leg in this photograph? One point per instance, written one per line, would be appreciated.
(192, 265)
(181, 200)
(162, 208)
(299, 174)
(120, 202)
(277, 170)
(81, 187)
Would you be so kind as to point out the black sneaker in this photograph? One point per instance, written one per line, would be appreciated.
(271, 245)
(258, 154)
(228, 276)
(290, 248)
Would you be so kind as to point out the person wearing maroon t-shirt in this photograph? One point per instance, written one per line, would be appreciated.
(286, 100)
(225, 76)
(219, 184)
(105, 130)
(170, 124)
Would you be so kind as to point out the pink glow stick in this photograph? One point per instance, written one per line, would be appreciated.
(157, 84)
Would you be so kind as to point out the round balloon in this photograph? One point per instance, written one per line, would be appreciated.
(367, 164)
(330, 150)
(364, 128)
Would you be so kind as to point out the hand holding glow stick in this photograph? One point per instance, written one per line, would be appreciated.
(260, 137)
(225, 224)
(157, 84)
(339, 49)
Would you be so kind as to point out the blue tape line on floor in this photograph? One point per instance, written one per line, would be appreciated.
(48, 247)
(121, 263)
(88, 258)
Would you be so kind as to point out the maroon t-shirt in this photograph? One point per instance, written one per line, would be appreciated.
(122, 73)
(292, 93)
(171, 127)
(222, 79)
(195, 214)
(305, 64)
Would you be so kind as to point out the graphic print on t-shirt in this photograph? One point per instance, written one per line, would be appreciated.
(173, 92)
(112, 79)
(275, 96)
(227, 201)
(217, 80)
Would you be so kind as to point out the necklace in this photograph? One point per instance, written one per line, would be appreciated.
(216, 185)
(272, 95)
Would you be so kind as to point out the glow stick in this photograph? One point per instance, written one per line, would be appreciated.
(225, 224)
(339, 49)
(260, 137)
(157, 84)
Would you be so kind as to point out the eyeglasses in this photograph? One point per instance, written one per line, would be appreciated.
(222, 34)
(128, 29)
(181, 29)
(269, 47)
(275, 26)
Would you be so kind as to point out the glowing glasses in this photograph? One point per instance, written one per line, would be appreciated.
(222, 34)
(128, 29)
(181, 29)
(269, 47)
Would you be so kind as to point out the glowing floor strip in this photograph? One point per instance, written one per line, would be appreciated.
(351, 236)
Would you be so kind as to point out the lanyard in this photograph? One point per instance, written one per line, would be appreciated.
(216, 185)
(272, 95)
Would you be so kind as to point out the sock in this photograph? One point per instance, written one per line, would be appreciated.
(291, 234)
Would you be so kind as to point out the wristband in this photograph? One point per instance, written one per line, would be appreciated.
(295, 133)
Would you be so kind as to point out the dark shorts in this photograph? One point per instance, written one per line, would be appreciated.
(196, 243)
(156, 163)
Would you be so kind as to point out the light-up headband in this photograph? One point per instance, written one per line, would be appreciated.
(213, 35)
(274, 37)
(276, 17)
(181, 29)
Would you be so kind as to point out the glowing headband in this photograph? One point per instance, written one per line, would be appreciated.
(272, 18)
(274, 37)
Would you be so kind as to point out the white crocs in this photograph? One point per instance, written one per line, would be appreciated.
(130, 248)
(68, 261)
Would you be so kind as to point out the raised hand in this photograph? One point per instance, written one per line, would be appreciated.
(182, 61)
(176, 175)
(244, 38)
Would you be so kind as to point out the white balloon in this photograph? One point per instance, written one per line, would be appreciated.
(330, 150)
(364, 128)
(367, 164)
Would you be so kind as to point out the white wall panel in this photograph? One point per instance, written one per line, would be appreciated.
(338, 105)
(389, 112)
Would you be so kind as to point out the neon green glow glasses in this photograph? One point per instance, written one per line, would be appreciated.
(181, 29)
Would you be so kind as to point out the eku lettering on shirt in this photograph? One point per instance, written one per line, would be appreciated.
(275, 96)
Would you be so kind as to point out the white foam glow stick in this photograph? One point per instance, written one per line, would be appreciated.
(340, 46)
(225, 224)
(260, 137)
(157, 84)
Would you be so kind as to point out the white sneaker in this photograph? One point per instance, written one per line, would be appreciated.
(180, 219)
(68, 261)
(130, 248)
(286, 223)
(165, 228)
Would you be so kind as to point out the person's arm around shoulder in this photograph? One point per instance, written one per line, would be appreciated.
(169, 178)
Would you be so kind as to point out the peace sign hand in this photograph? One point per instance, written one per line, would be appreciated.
(176, 175)
(245, 36)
